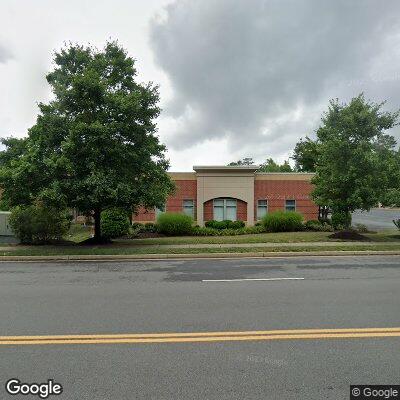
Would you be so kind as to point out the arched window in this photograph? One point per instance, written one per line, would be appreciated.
(225, 209)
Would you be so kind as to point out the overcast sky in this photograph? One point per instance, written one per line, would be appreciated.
(237, 77)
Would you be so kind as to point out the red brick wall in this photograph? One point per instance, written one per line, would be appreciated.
(145, 216)
(185, 190)
(276, 192)
(208, 210)
(241, 210)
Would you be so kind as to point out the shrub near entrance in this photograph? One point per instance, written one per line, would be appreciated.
(283, 221)
(174, 224)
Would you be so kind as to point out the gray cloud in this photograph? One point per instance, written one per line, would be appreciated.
(261, 72)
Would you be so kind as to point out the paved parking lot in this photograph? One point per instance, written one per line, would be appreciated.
(377, 218)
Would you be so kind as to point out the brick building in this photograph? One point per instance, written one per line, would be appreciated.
(236, 193)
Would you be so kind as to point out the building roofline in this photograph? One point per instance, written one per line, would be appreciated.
(226, 168)
(180, 172)
(285, 173)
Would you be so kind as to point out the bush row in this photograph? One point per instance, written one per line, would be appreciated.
(37, 224)
(175, 224)
(205, 231)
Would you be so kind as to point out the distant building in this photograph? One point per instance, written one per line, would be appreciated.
(236, 193)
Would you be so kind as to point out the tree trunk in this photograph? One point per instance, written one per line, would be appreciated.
(97, 228)
(348, 219)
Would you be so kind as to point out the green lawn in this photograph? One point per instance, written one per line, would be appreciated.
(78, 233)
(389, 240)
(125, 250)
(280, 237)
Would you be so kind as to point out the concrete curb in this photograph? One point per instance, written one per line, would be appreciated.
(144, 257)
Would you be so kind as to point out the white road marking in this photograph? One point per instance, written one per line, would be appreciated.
(252, 279)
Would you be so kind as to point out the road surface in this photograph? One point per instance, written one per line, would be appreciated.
(202, 297)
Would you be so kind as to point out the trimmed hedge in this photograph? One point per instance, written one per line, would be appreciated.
(283, 221)
(174, 224)
(37, 224)
(114, 223)
(206, 231)
(225, 224)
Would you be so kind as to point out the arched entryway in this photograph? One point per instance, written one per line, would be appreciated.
(222, 208)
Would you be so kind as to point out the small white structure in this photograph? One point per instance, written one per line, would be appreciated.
(5, 229)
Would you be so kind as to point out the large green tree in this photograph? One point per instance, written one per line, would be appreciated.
(94, 146)
(354, 154)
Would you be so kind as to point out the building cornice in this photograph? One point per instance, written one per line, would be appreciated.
(284, 176)
(226, 169)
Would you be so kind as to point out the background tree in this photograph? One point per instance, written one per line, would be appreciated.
(271, 166)
(14, 148)
(94, 146)
(391, 197)
(351, 172)
(305, 155)
(243, 161)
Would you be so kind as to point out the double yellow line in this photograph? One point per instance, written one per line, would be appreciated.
(142, 338)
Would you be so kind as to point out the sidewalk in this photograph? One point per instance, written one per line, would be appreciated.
(224, 245)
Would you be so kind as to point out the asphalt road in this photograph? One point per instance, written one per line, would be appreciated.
(376, 219)
(171, 296)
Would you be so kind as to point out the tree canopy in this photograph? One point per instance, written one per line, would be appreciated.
(271, 166)
(243, 161)
(305, 155)
(354, 155)
(94, 145)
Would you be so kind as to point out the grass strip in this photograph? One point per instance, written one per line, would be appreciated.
(105, 250)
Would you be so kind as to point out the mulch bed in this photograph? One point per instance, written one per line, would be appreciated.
(349, 235)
